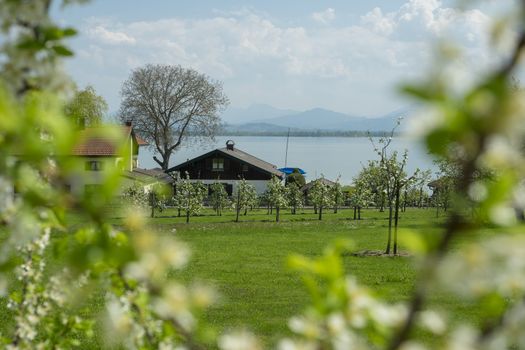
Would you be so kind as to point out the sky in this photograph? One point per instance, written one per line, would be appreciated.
(347, 56)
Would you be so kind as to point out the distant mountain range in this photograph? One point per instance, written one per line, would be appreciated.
(265, 119)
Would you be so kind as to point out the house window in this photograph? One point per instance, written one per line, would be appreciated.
(245, 167)
(94, 165)
(218, 164)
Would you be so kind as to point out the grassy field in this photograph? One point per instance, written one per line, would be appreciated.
(246, 262)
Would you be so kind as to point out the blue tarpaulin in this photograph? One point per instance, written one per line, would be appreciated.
(288, 171)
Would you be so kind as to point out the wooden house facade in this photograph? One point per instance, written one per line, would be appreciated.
(228, 165)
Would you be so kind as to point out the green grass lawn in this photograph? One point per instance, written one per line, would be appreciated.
(246, 261)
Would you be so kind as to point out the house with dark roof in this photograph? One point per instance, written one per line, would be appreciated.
(227, 165)
(307, 187)
(104, 148)
(147, 178)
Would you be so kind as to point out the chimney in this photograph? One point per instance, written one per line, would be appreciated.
(229, 145)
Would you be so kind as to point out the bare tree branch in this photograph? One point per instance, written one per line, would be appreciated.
(168, 103)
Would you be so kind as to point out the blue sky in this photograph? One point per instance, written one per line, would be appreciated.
(343, 55)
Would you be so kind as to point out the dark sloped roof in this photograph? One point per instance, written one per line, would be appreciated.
(148, 175)
(311, 184)
(240, 155)
(156, 173)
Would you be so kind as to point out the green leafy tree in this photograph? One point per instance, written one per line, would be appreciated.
(295, 197)
(361, 194)
(189, 196)
(320, 196)
(337, 195)
(245, 196)
(420, 185)
(295, 178)
(393, 179)
(371, 177)
(86, 108)
(136, 196)
(219, 197)
(277, 196)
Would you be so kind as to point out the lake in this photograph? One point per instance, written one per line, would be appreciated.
(329, 156)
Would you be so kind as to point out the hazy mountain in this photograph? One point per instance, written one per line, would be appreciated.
(255, 128)
(324, 119)
(314, 119)
(253, 113)
(317, 118)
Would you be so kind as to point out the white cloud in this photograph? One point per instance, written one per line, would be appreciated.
(110, 37)
(325, 16)
(378, 22)
(263, 60)
(424, 19)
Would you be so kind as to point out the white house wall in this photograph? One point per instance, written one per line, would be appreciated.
(85, 177)
(260, 185)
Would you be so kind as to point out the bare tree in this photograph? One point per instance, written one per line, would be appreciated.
(168, 103)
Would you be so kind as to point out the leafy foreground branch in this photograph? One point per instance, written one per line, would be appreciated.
(93, 285)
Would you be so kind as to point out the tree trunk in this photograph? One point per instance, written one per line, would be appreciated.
(396, 219)
(389, 241)
(320, 212)
(355, 213)
(315, 209)
(188, 199)
(359, 213)
(277, 214)
(152, 203)
(164, 163)
(238, 208)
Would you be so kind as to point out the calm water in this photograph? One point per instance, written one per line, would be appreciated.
(330, 156)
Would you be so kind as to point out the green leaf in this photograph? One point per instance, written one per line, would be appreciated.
(31, 45)
(62, 50)
(69, 31)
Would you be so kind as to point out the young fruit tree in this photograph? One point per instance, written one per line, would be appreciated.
(295, 197)
(189, 196)
(252, 199)
(370, 177)
(338, 195)
(320, 196)
(166, 103)
(361, 194)
(135, 196)
(244, 197)
(219, 198)
(394, 178)
(420, 184)
(277, 196)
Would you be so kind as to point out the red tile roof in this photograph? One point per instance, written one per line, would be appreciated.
(102, 141)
